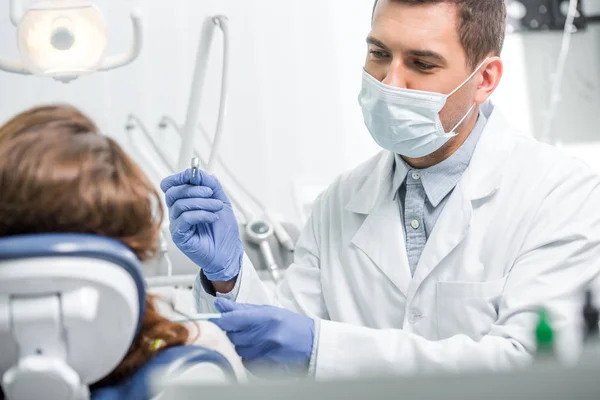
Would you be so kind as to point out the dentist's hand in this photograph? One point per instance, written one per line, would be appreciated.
(203, 225)
(268, 337)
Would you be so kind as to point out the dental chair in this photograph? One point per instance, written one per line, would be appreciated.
(70, 308)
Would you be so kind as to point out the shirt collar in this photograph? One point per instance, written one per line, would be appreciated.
(440, 179)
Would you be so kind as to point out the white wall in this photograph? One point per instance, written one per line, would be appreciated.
(294, 78)
(293, 113)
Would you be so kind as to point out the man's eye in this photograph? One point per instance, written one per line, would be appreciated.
(424, 66)
(378, 53)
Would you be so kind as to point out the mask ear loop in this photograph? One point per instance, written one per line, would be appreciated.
(469, 78)
(452, 133)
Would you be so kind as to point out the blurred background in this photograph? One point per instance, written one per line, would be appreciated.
(293, 122)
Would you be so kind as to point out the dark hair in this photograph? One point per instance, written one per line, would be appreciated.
(58, 175)
(481, 29)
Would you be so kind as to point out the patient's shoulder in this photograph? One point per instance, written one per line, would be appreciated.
(204, 333)
(181, 362)
(209, 335)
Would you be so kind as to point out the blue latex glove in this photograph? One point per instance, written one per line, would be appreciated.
(268, 337)
(203, 225)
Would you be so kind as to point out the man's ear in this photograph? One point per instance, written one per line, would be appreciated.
(492, 74)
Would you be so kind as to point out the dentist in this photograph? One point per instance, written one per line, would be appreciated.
(435, 254)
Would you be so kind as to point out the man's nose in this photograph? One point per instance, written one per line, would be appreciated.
(396, 75)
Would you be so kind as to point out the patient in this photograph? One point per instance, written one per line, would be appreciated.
(54, 117)
(58, 175)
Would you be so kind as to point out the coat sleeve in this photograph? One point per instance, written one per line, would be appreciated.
(300, 290)
(559, 260)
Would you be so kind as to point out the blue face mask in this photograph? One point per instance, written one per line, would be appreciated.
(405, 121)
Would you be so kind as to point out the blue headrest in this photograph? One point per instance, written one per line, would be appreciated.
(137, 387)
(77, 245)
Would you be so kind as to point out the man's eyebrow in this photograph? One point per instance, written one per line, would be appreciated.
(376, 42)
(428, 54)
(415, 53)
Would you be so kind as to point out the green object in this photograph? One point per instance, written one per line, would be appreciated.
(157, 344)
(544, 334)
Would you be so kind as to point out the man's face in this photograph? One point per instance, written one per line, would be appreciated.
(417, 47)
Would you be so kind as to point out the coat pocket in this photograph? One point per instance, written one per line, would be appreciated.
(468, 308)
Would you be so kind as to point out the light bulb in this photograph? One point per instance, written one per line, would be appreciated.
(62, 38)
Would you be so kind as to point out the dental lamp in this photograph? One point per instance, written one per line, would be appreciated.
(64, 39)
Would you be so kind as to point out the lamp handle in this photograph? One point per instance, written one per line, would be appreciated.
(16, 11)
(120, 60)
(14, 67)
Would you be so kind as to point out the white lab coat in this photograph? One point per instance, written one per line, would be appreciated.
(521, 230)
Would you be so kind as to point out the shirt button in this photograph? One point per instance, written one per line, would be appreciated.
(415, 316)
(416, 175)
(415, 224)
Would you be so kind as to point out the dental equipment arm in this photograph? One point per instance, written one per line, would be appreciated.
(193, 113)
(127, 57)
(132, 121)
(216, 147)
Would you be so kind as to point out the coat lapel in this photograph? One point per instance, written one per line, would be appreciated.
(381, 235)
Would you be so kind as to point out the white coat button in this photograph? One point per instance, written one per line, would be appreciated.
(415, 224)
(416, 175)
(415, 316)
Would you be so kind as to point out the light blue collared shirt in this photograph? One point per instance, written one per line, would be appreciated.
(423, 194)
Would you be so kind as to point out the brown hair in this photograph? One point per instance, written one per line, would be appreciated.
(57, 175)
(482, 26)
(56, 117)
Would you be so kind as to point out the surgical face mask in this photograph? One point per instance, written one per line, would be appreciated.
(406, 121)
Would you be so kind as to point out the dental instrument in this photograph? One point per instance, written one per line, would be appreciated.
(195, 166)
(64, 39)
(197, 317)
(182, 281)
(259, 232)
(281, 233)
